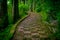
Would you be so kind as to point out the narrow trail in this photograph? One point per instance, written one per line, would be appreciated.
(31, 28)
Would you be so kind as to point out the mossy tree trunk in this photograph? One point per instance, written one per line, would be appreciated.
(10, 11)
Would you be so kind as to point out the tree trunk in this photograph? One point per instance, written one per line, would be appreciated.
(10, 11)
(16, 12)
(4, 12)
(31, 6)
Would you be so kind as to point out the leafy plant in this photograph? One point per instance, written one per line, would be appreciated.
(23, 8)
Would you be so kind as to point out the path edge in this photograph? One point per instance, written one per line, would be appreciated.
(13, 29)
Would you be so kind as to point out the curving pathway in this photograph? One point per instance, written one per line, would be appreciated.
(31, 28)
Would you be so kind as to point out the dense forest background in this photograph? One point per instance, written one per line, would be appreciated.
(13, 10)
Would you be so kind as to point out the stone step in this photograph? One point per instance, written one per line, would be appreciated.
(35, 35)
(26, 29)
(21, 27)
(43, 36)
(43, 32)
(27, 32)
(27, 36)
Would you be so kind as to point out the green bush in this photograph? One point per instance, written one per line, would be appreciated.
(57, 34)
(38, 9)
(5, 35)
(43, 15)
(23, 8)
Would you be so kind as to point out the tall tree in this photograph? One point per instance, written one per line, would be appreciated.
(16, 13)
(31, 5)
(23, 1)
(10, 11)
(4, 11)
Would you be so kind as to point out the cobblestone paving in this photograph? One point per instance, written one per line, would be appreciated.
(31, 28)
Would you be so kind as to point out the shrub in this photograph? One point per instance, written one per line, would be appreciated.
(38, 9)
(23, 8)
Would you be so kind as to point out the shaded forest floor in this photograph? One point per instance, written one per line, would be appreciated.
(32, 28)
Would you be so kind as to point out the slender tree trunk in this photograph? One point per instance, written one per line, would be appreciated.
(23, 1)
(4, 11)
(16, 12)
(31, 5)
(20, 1)
(1, 9)
(10, 11)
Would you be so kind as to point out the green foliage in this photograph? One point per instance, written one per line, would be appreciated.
(41, 6)
(57, 34)
(44, 15)
(5, 35)
(38, 9)
(23, 8)
(9, 31)
(57, 8)
(58, 16)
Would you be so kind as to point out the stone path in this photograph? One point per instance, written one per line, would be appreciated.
(31, 28)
